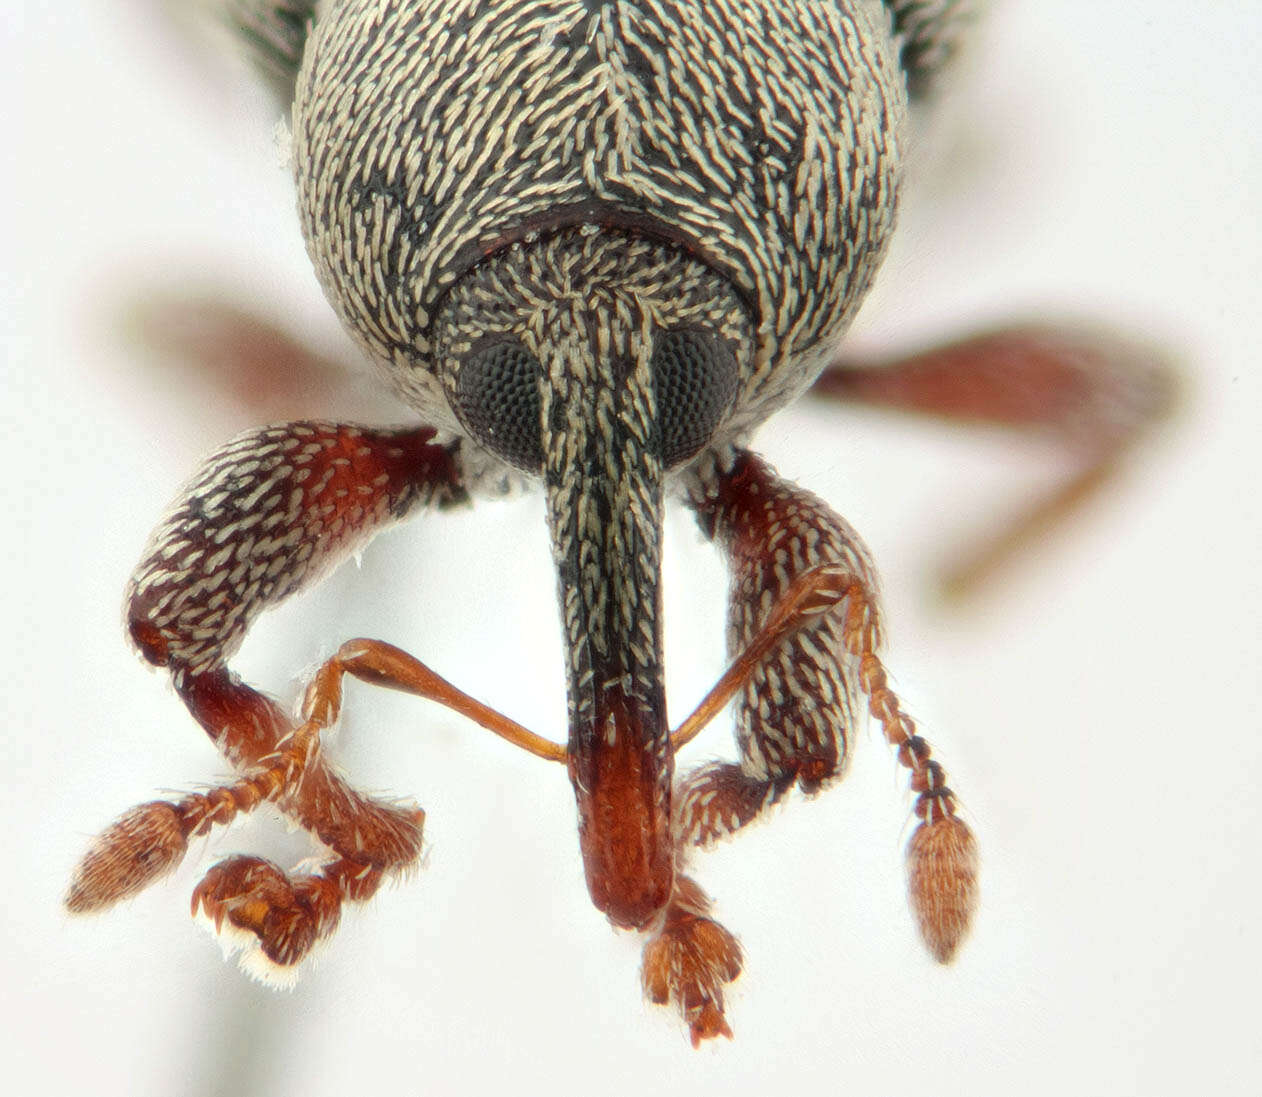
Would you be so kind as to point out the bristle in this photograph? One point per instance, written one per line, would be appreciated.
(263, 969)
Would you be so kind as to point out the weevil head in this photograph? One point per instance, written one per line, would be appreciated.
(554, 333)
(599, 360)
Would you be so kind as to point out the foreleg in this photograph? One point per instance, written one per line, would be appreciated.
(268, 515)
(803, 635)
(804, 588)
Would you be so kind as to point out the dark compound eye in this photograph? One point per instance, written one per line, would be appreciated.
(694, 377)
(497, 397)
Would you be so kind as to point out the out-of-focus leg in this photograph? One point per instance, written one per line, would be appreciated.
(252, 369)
(1096, 394)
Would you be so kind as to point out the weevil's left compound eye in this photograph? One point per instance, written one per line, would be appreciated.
(694, 379)
(497, 398)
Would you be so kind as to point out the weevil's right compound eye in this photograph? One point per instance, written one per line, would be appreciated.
(497, 398)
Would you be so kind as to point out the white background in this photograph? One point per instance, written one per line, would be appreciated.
(1098, 708)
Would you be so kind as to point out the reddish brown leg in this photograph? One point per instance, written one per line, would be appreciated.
(688, 960)
(1092, 392)
(802, 584)
(268, 514)
(690, 957)
(245, 360)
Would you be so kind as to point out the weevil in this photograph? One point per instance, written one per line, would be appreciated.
(595, 244)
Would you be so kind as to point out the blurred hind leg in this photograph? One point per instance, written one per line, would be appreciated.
(1094, 394)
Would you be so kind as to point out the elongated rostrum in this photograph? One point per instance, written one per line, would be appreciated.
(591, 244)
